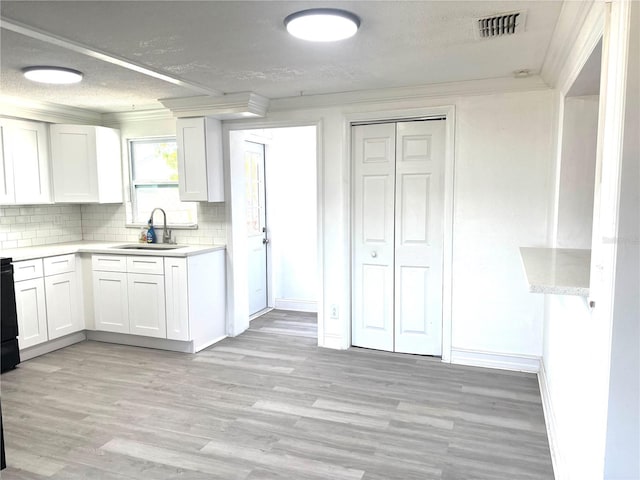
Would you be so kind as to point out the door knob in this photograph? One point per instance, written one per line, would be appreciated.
(374, 254)
(265, 241)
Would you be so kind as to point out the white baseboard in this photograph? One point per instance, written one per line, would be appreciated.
(502, 361)
(333, 341)
(51, 345)
(296, 305)
(550, 422)
(201, 346)
(140, 341)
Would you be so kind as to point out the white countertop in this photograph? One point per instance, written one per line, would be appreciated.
(558, 271)
(41, 251)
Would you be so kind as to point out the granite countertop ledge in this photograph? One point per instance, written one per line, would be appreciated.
(51, 250)
(558, 271)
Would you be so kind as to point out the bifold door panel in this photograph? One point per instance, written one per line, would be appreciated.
(398, 230)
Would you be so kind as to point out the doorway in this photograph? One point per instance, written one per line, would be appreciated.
(257, 232)
(274, 207)
(398, 240)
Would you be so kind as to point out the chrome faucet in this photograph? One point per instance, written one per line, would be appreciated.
(166, 233)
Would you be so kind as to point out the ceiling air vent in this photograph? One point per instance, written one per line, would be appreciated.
(501, 25)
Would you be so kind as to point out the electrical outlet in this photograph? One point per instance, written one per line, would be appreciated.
(334, 311)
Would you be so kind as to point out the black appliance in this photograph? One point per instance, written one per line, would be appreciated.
(9, 353)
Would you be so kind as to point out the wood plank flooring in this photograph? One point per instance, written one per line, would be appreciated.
(268, 405)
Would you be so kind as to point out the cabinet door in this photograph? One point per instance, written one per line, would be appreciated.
(200, 172)
(32, 315)
(25, 163)
(73, 159)
(111, 301)
(175, 278)
(192, 159)
(6, 167)
(146, 305)
(63, 305)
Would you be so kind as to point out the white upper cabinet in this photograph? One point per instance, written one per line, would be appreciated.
(86, 163)
(200, 170)
(24, 163)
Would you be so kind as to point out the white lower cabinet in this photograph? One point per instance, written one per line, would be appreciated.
(131, 300)
(173, 298)
(63, 304)
(111, 301)
(48, 299)
(146, 305)
(176, 294)
(32, 312)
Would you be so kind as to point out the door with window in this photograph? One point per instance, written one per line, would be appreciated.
(398, 236)
(257, 232)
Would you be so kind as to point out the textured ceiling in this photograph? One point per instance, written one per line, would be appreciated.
(235, 46)
(105, 87)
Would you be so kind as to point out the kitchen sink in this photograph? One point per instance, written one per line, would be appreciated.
(149, 246)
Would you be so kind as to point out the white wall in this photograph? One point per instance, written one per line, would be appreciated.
(577, 172)
(503, 154)
(622, 455)
(591, 360)
(291, 216)
(576, 367)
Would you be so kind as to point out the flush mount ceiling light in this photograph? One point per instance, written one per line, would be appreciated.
(57, 75)
(322, 24)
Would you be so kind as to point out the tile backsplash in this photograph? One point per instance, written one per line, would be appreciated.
(107, 223)
(31, 225)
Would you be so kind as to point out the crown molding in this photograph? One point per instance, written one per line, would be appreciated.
(442, 90)
(579, 28)
(235, 105)
(115, 119)
(47, 112)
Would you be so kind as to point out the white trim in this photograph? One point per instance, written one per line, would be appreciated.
(235, 105)
(551, 424)
(393, 95)
(333, 341)
(235, 298)
(52, 345)
(296, 305)
(447, 111)
(501, 361)
(140, 341)
(47, 112)
(589, 36)
(573, 16)
(115, 119)
(201, 346)
(320, 232)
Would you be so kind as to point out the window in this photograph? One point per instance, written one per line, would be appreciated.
(154, 182)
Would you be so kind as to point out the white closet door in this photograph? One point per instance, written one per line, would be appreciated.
(374, 158)
(419, 237)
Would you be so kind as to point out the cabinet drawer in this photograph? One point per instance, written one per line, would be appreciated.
(27, 269)
(109, 263)
(59, 264)
(152, 265)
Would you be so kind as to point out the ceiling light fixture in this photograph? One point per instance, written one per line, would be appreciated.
(57, 75)
(322, 24)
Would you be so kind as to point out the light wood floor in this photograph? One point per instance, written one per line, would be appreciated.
(268, 405)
